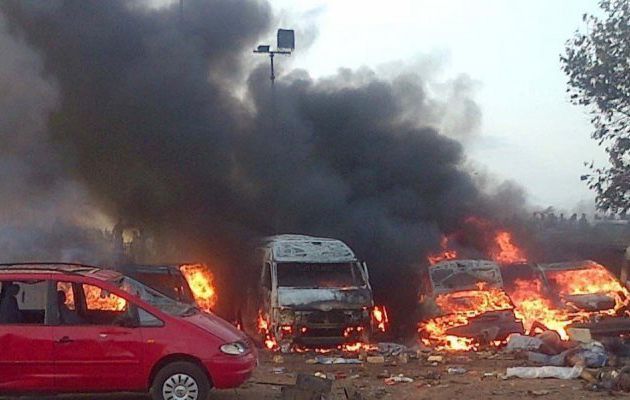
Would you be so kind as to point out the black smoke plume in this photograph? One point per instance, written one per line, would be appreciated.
(168, 126)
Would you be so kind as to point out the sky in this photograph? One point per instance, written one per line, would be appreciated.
(530, 133)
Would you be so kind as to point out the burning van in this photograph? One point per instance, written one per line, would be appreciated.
(312, 292)
(463, 305)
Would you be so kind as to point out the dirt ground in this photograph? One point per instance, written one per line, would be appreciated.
(481, 380)
(431, 381)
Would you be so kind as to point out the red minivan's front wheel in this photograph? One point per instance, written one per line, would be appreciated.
(180, 381)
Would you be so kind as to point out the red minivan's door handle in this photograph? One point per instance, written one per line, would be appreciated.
(65, 339)
(113, 333)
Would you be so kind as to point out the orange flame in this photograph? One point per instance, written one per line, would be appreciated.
(534, 305)
(201, 283)
(97, 299)
(595, 279)
(456, 309)
(506, 252)
(263, 328)
(446, 254)
(537, 307)
(379, 314)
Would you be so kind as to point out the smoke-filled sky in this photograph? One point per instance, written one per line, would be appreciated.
(509, 49)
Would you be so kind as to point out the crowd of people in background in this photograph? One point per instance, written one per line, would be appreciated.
(551, 220)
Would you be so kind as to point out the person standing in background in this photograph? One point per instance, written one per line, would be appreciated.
(625, 266)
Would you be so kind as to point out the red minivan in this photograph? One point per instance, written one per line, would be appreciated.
(75, 328)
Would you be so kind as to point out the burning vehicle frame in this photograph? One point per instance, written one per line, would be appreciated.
(586, 295)
(189, 283)
(167, 279)
(312, 292)
(463, 305)
(469, 303)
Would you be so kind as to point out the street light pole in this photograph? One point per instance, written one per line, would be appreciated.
(273, 75)
(285, 45)
(273, 94)
(272, 78)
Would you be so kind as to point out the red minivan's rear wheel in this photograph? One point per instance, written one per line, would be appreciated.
(180, 380)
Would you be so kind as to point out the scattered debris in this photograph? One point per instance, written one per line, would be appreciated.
(545, 372)
(279, 370)
(582, 335)
(591, 355)
(391, 349)
(552, 343)
(517, 342)
(589, 376)
(437, 359)
(541, 392)
(610, 380)
(334, 360)
(456, 370)
(392, 380)
(375, 359)
(557, 360)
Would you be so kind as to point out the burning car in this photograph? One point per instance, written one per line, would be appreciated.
(586, 295)
(463, 305)
(312, 292)
(190, 283)
(167, 279)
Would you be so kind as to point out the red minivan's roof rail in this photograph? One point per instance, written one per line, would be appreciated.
(59, 267)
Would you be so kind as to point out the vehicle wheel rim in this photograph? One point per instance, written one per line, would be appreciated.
(180, 387)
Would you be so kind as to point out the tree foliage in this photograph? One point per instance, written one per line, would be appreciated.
(597, 64)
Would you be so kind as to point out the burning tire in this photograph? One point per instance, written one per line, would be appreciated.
(180, 381)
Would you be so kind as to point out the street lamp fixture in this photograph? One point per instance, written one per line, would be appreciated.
(285, 46)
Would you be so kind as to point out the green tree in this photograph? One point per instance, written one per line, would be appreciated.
(597, 64)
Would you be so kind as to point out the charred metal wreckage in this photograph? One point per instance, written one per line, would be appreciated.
(466, 303)
(312, 291)
(607, 308)
(466, 299)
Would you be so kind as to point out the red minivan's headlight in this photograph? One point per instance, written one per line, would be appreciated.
(234, 349)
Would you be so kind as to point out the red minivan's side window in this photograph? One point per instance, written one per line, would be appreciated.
(100, 300)
(84, 304)
(23, 302)
(68, 311)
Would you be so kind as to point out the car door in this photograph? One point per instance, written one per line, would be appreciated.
(26, 344)
(99, 347)
(266, 289)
